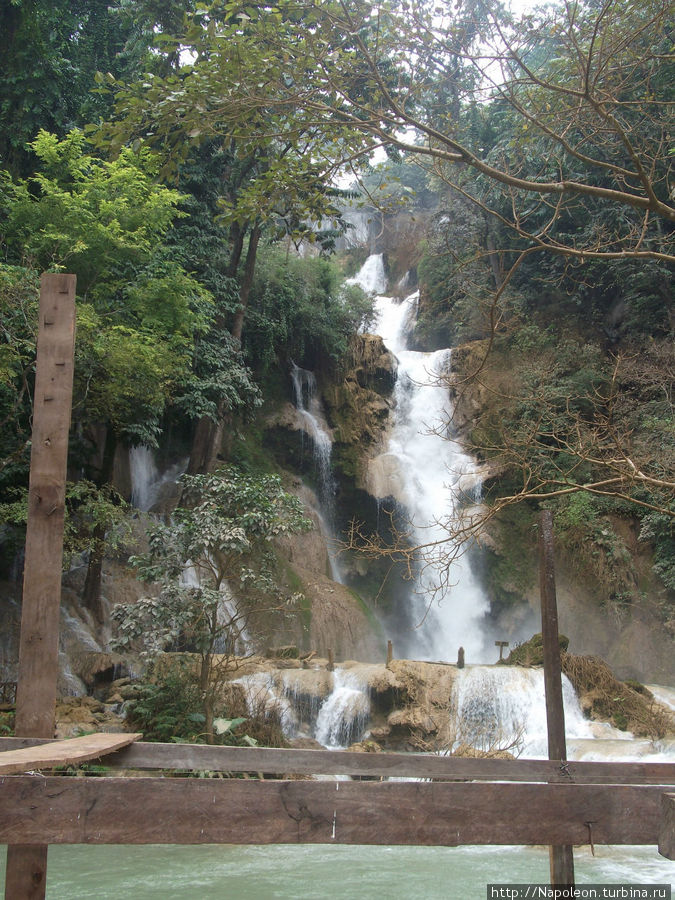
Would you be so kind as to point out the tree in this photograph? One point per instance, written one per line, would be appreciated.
(138, 311)
(223, 540)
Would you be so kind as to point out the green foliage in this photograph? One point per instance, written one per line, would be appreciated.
(19, 297)
(86, 214)
(224, 535)
(6, 724)
(588, 535)
(659, 529)
(166, 708)
(51, 52)
(300, 310)
(139, 311)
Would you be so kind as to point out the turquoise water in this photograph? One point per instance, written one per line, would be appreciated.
(318, 872)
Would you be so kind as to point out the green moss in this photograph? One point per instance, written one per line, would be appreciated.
(510, 571)
(373, 621)
(531, 653)
(620, 721)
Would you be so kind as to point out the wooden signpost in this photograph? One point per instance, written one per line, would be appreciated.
(39, 641)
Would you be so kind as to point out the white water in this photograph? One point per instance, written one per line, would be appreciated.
(344, 713)
(263, 699)
(235, 637)
(147, 481)
(431, 476)
(371, 277)
(308, 404)
(499, 707)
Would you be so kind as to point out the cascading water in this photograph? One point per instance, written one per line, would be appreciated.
(263, 700)
(343, 716)
(504, 707)
(309, 407)
(433, 479)
(147, 481)
(235, 638)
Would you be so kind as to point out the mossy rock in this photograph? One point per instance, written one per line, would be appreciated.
(531, 653)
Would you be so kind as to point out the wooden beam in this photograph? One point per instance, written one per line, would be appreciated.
(39, 639)
(63, 753)
(667, 826)
(201, 757)
(561, 857)
(58, 810)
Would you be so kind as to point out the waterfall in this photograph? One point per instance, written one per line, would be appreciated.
(433, 480)
(263, 700)
(144, 476)
(371, 277)
(343, 716)
(146, 479)
(504, 707)
(235, 638)
(333, 708)
(308, 404)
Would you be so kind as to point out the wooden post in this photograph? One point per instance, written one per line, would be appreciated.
(667, 829)
(561, 857)
(501, 645)
(390, 652)
(39, 641)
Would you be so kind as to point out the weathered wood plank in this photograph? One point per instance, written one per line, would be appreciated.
(39, 637)
(62, 753)
(38, 647)
(59, 810)
(667, 826)
(271, 761)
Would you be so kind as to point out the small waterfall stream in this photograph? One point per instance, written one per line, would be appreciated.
(308, 404)
(433, 479)
(147, 481)
(343, 716)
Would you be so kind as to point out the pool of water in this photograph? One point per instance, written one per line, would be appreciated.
(318, 872)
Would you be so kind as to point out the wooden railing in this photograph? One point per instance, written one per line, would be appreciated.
(459, 801)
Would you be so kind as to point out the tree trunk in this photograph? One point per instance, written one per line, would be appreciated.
(91, 596)
(209, 434)
(207, 697)
(247, 281)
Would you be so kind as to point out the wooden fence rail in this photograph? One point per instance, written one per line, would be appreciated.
(200, 757)
(550, 803)
(58, 810)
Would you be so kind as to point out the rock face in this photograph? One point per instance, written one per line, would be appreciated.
(358, 405)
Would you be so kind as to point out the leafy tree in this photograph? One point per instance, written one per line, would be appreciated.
(224, 538)
(300, 309)
(52, 52)
(138, 311)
